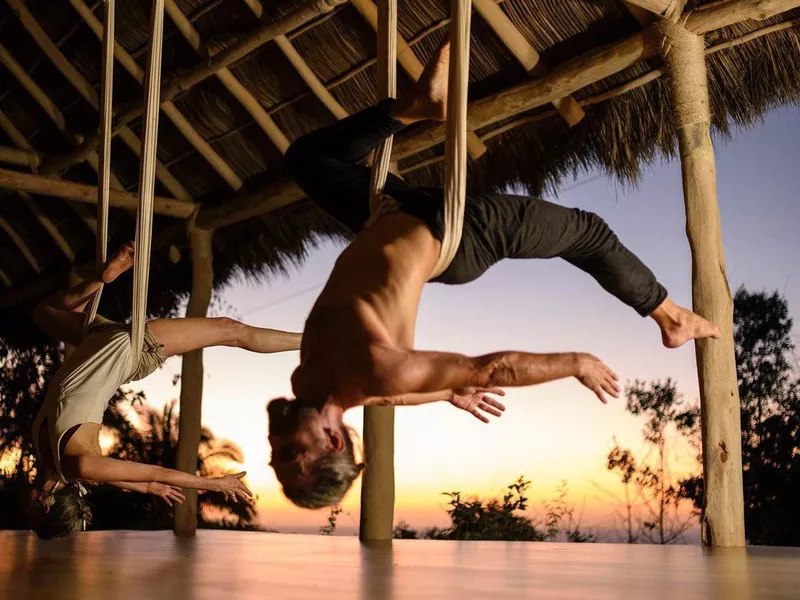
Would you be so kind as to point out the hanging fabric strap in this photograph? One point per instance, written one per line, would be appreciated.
(387, 88)
(456, 141)
(104, 170)
(147, 172)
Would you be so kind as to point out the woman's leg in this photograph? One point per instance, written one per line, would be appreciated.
(61, 315)
(178, 336)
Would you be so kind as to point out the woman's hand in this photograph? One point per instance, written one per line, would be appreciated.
(595, 375)
(168, 493)
(232, 487)
(474, 400)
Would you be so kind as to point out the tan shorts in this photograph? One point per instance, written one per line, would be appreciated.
(152, 356)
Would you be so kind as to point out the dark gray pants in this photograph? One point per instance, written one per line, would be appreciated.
(325, 164)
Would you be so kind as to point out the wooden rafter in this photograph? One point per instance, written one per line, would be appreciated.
(525, 54)
(22, 158)
(197, 141)
(22, 142)
(20, 244)
(411, 65)
(6, 279)
(228, 79)
(50, 109)
(51, 186)
(184, 82)
(567, 78)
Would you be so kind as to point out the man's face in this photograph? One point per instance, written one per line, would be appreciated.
(298, 439)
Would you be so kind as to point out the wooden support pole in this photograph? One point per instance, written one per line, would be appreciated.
(50, 186)
(722, 521)
(377, 484)
(191, 407)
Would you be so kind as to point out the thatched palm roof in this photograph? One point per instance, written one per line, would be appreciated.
(53, 47)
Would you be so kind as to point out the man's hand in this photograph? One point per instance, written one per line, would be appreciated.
(474, 400)
(595, 375)
(232, 487)
(168, 493)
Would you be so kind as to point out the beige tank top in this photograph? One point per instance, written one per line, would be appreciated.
(81, 389)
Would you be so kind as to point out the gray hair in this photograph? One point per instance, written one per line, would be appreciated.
(334, 474)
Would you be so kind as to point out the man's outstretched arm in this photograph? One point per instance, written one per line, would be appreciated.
(398, 372)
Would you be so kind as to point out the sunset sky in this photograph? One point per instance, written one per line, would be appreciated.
(549, 433)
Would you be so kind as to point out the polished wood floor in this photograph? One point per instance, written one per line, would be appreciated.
(227, 565)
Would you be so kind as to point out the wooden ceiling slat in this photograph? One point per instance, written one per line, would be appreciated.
(228, 79)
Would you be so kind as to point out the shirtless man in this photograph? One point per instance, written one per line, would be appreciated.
(358, 343)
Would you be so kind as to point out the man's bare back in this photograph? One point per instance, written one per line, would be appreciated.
(371, 300)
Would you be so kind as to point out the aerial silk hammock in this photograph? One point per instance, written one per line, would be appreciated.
(147, 171)
(455, 181)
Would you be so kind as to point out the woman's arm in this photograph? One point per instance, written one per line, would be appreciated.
(168, 493)
(103, 469)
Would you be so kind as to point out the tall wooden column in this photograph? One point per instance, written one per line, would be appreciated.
(722, 520)
(377, 485)
(192, 378)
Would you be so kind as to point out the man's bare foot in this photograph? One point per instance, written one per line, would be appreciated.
(428, 99)
(679, 325)
(120, 262)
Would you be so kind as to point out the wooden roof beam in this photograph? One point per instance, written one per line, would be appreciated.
(6, 279)
(197, 141)
(186, 81)
(411, 65)
(20, 244)
(525, 54)
(228, 79)
(22, 142)
(21, 158)
(305, 72)
(567, 78)
(51, 186)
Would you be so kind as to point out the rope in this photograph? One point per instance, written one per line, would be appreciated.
(456, 142)
(387, 88)
(455, 149)
(144, 213)
(106, 97)
(684, 57)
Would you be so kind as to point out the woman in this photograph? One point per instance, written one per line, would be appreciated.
(313, 451)
(66, 430)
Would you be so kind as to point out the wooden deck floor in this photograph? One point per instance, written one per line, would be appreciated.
(227, 565)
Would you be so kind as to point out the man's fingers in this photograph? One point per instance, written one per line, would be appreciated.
(166, 499)
(480, 417)
(492, 402)
(490, 409)
(608, 387)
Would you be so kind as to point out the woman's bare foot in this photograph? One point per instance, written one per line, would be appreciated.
(119, 263)
(679, 325)
(428, 99)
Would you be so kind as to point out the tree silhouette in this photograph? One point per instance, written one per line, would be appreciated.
(653, 506)
(769, 390)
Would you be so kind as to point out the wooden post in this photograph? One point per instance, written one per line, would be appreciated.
(192, 378)
(377, 485)
(722, 521)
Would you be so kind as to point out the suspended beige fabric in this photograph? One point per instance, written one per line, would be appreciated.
(456, 141)
(147, 172)
(104, 171)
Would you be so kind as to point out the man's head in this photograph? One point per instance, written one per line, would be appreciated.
(313, 453)
(58, 510)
